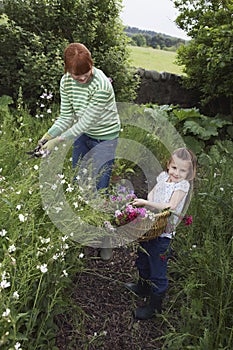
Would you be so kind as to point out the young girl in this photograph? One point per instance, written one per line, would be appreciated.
(171, 192)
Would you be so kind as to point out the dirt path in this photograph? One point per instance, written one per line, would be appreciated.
(107, 319)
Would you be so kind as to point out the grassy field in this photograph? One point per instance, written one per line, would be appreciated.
(153, 59)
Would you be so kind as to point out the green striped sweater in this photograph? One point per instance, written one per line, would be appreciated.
(87, 108)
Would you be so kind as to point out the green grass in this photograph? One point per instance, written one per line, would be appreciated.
(153, 59)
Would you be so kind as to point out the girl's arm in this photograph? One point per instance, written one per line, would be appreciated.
(175, 199)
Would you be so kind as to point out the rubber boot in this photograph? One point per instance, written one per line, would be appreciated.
(106, 253)
(141, 289)
(149, 310)
(106, 250)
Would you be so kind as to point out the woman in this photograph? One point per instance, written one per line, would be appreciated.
(88, 114)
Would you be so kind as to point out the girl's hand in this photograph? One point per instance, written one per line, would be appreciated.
(139, 202)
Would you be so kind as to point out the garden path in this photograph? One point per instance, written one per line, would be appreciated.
(107, 318)
(106, 306)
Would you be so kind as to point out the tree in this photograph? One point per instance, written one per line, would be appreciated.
(139, 39)
(35, 33)
(208, 58)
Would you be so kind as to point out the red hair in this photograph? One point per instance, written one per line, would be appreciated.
(77, 59)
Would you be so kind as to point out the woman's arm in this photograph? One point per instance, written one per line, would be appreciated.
(175, 199)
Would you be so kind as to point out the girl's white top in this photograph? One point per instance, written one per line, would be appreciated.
(162, 193)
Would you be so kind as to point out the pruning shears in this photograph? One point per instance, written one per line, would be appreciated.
(37, 152)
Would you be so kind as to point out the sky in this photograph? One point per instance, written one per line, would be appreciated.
(155, 15)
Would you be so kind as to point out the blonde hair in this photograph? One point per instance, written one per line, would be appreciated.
(186, 155)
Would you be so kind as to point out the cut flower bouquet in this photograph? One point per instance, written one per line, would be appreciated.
(144, 224)
(122, 210)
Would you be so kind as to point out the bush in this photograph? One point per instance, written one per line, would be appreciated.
(35, 35)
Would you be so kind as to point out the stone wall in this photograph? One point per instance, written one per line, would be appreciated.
(166, 88)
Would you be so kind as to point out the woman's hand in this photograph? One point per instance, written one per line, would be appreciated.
(50, 145)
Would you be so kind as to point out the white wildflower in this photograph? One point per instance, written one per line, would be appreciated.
(69, 188)
(18, 207)
(54, 187)
(16, 295)
(12, 248)
(64, 238)
(18, 346)
(4, 284)
(43, 268)
(65, 273)
(75, 204)
(58, 209)
(56, 256)
(36, 167)
(65, 246)
(3, 232)
(22, 218)
(44, 240)
(81, 255)
(6, 313)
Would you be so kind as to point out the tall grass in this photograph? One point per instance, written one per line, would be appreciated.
(37, 261)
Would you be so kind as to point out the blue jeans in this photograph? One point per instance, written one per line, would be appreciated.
(152, 266)
(101, 153)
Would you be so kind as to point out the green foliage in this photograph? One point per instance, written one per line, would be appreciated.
(197, 129)
(138, 39)
(36, 257)
(208, 56)
(36, 33)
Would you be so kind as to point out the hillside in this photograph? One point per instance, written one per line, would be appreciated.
(133, 30)
(153, 59)
(141, 37)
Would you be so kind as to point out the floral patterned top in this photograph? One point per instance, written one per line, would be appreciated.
(162, 193)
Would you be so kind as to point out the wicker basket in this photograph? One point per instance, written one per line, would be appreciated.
(158, 227)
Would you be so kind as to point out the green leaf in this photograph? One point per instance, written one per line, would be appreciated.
(195, 145)
(196, 129)
(183, 114)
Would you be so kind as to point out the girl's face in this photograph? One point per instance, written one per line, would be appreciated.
(178, 169)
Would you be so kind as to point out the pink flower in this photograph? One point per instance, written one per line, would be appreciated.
(188, 220)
